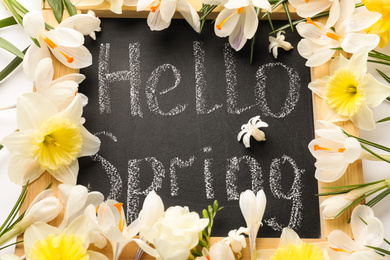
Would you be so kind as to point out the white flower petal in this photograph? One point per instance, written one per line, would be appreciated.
(116, 6)
(142, 4)
(67, 173)
(75, 201)
(312, 8)
(91, 143)
(96, 255)
(340, 240)
(334, 14)
(189, 13)
(359, 228)
(79, 227)
(167, 9)
(360, 21)
(83, 23)
(263, 4)
(237, 38)
(155, 21)
(77, 57)
(375, 232)
(221, 251)
(318, 86)
(375, 91)
(86, 2)
(234, 4)
(364, 118)
(43, 73)
(23, 169)
(32, 110)
(32, 57)
(152, 210)
(289, 236)
(44, 209)
(320, 57)
(354, 42)
(330, 176)
(329, 114)
(19, 142)
(66, 37)
(73, 112)
(34, 24)
(228, 26)
(251, 22)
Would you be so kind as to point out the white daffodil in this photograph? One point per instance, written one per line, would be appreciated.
(218, 251)
(252, 129)
(75, 200)
(239, 20)
(236, 239)
(44, 208)
(65, 44)
(175, 234)
(278, 42)
(61, 91)
(162, 11)
(334, 151)
(252, 208)
(367, 231)
(42, 241)
(331, 207)
(112, 222)
(349, 92)
(307, 8)
(291, 247)
(319, 42)
(48, 140)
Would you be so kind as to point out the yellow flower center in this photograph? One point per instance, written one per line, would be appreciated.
(220, 25)
(343, 93)
(304, 251)
(60, 247)
(54, 46)
(58, 144)
(121, 223)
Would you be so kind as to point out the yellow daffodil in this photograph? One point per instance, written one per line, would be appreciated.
(349, 92)
(45, 242)
(382, 27)
(48, 140)
(291, 247)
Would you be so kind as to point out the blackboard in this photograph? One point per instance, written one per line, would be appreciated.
(168, 106)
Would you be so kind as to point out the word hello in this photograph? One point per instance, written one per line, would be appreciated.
(133, 75)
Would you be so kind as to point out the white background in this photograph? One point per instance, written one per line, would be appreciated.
(17, 84)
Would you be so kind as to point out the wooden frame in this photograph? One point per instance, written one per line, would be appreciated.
(353, 175)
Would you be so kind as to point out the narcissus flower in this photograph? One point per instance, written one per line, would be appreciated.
(45, 242)
(291, 247)
(349, 92)
(367, 231)
(48, 140)
(252, 208)
(252, 129)
(318, 42)
(381, 27)
(65, 44)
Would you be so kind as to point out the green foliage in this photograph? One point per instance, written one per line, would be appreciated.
(6, 45)
(9, 68)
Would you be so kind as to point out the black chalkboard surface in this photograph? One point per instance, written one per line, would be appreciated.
(168, 106)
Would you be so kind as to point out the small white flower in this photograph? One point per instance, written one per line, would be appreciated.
(367, 231)
(252, 129)
(236, 240)
(278, 42)
(218, 251)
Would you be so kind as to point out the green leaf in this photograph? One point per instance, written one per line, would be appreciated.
(383, 120)
(70, 7)
(258, 10)
(387, 78)
(7, 22)
(378, 198)
(58, 9)
(270, 22)
(379, 250)
(6, 45)
(384, 148)
(9, 68)
(1, 146)
(285, 5)
(277, 3)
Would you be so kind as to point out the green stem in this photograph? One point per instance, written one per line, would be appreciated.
(384, 148)
(375, 154)
(7, 22)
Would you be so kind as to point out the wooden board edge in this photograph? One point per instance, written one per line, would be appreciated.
(103, 11)
(353, 175)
